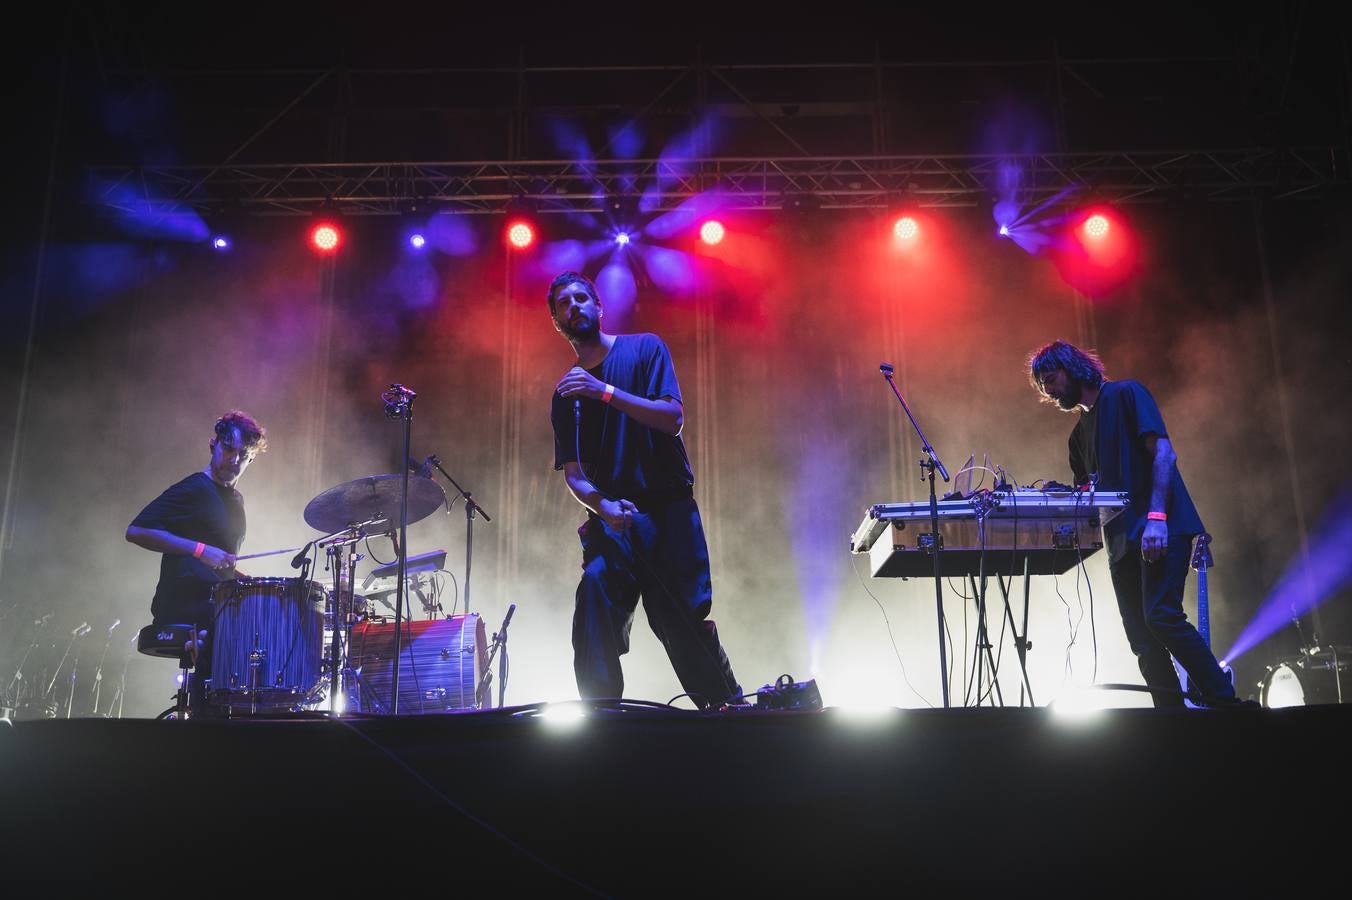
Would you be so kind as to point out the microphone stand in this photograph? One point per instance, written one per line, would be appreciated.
(98, 672)
(471, 507)
(933, 543)
(484, 693)
(399, 405)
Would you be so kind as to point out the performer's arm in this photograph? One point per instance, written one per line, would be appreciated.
(664, 414)
(618, 514)
(1155, 538)
(157, 540)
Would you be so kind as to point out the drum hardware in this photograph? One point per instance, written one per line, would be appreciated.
(178, 642)
(345, 511)
(266, 643)
(1313, 677)
(443, 661)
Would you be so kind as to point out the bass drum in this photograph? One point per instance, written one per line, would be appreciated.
(1306, 680)
(267, 640)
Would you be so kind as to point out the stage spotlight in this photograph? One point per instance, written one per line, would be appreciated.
(417, 241)
(563, 716)
(712, 232)
(1004, 231)
(325, 237)
(520, 235)
(906, 229)
(220, 243)
(1096, 226)
(622, 238)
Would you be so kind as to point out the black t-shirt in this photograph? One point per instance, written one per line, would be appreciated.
(197, 509)
(1110, 439)
(620, 455)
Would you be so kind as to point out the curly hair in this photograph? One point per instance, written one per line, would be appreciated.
(254, 436)
(1084, 366)
(567, 278)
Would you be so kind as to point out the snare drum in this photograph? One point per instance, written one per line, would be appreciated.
(267, 642)
(1306, 680)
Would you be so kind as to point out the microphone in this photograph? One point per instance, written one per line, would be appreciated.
(299, 559)
(424, 468)
(886, 369)
(116, 622)
(577, 409)
(507, 621)
(82, 630)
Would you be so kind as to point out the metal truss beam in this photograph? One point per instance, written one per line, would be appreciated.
(560, 186)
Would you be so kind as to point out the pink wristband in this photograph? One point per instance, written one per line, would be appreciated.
(197, 553)
(608, 393)
(1157, 516)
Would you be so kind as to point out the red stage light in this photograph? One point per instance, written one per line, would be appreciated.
(906, 228)
(711, 232)
(1096, 226)
(325, 237)
(520, 235)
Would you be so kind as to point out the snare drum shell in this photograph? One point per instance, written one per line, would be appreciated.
(281, 620)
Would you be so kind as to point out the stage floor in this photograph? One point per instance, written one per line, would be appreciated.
(641, 802)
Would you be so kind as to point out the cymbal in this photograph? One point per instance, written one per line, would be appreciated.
(374, 495)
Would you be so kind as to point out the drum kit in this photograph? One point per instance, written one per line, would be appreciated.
(1318, 674)
(287, 645)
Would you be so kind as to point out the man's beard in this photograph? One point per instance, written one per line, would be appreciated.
(1074, 390)
(586, 328)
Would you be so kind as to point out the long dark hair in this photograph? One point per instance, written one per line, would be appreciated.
(1082, 365)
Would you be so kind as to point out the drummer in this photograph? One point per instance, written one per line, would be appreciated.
(198, 526)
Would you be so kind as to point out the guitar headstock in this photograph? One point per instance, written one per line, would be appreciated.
(1201, 552)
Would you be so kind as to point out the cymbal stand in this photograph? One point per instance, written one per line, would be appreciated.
(334, 545)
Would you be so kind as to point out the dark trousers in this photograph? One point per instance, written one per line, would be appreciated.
(664, 560)
(1150, 599)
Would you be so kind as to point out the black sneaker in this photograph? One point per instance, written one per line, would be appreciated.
(1230, 703)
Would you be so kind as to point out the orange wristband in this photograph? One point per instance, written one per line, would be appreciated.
(1157, 516)
(197, 553)
(608, 393)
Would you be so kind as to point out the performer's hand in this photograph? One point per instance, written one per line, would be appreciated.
(580, 383)
(618, 514)
(220, 562)
(1154, 541)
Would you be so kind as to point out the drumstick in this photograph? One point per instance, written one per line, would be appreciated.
(268, 553)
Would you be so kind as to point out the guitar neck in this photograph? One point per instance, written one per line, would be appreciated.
(1203, 611)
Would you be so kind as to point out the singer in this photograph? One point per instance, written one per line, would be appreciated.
(198, 525)
(617, 419)
(1121, 437)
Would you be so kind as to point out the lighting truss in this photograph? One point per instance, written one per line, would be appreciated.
(858, 182)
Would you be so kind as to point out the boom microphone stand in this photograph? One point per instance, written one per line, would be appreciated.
(471, 508)
(932, 543)
(399, 405)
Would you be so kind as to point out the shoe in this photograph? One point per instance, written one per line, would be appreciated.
(1229, 703)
